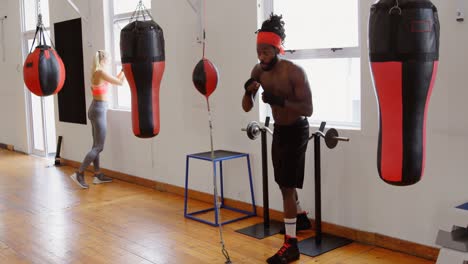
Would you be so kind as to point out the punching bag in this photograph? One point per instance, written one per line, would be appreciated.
(205, 77)
(143, 61)
(43, 69)
(404, 54)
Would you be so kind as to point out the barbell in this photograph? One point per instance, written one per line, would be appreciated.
(332, 137)
(254, 129)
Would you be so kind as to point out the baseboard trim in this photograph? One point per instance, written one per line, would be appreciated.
(407, 247)
(7, 147)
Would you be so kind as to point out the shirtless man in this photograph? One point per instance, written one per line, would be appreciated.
(287, 91)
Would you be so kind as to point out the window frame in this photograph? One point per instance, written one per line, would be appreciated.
(321, 53)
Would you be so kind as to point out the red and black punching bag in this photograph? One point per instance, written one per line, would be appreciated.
(43, 69)
(143, 61)
(404, 54)
(205, 77)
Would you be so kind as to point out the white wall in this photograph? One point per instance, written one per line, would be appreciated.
(12, 103)
(353, 194)
(76, 138)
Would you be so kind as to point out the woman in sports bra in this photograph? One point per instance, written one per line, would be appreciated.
(97, 114)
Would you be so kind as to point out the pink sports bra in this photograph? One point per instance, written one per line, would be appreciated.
(100, 89)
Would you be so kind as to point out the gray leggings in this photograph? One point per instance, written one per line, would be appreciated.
(97, 113)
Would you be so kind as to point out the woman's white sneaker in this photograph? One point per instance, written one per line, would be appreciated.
(79, 179)
(101, 178)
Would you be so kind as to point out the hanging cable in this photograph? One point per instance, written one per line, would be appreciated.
(204, 26)
(215, 185)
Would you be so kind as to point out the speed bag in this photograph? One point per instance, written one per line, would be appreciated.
(205, 77)
(143, 61)
(404, 54)
(43, 71)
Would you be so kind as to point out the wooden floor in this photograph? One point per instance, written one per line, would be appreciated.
(46, 218)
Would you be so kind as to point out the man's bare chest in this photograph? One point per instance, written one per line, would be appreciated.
(277, 84)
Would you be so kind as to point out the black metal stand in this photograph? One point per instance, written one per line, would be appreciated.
(321, 243)
(57, 153)
(268, 227)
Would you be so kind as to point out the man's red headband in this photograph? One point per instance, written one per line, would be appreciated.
(270, 38)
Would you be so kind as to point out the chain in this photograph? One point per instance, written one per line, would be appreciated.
(39, 14)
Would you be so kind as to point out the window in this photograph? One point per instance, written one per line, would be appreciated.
(323, 38)
(40, 110)
(121, 11)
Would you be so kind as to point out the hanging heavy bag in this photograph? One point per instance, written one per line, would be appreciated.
(143, 61)
(43, 69)
(404, 54)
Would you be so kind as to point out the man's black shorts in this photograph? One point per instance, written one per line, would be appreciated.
(288, 153)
